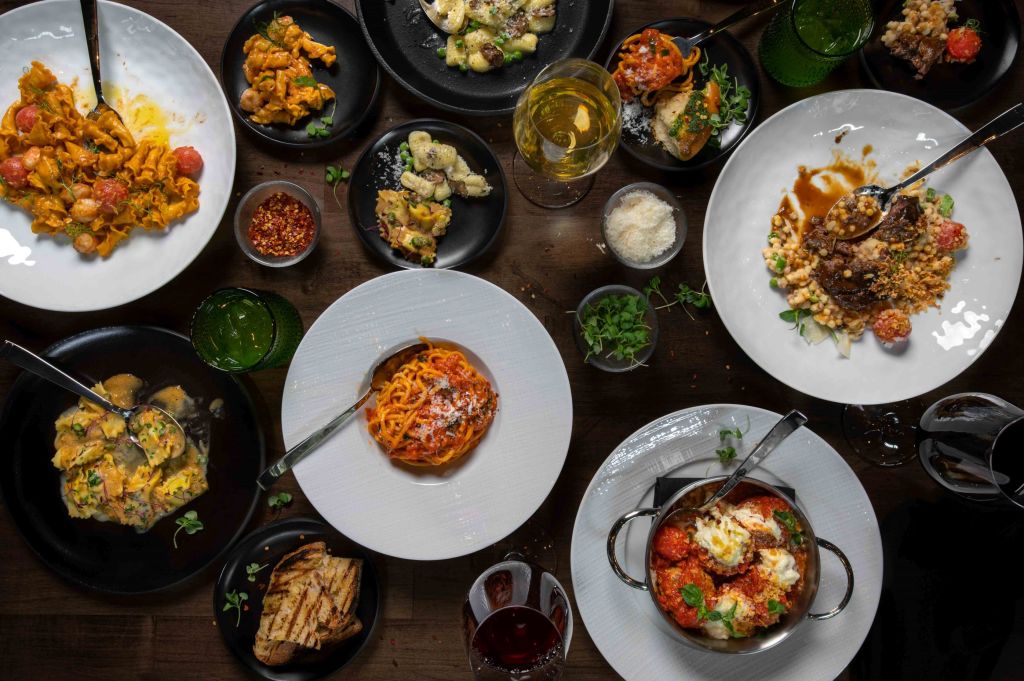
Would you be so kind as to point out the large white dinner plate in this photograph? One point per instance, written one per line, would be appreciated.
(426, 513)
(901, 130)
(140, 57)
(624, 623)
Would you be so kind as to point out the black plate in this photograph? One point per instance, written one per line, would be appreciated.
(722, 49)
(267, 546)
(105, 556)
(949, 86)
(475, 222)
(405, 43)
(354, 77)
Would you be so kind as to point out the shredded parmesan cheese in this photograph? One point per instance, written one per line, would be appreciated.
(641, 227)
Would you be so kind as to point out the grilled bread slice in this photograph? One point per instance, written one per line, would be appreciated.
(294, 605)
(341, 580)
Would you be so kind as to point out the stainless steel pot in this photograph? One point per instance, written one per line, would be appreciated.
(693, 495)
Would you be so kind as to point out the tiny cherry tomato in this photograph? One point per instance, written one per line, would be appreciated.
(963, 44)
(189, 160)
(109, 193)
(26, 117)
(952, 236)
(14, 172)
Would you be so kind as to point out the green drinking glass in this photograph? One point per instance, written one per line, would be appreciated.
(801, 46)
(237, 330)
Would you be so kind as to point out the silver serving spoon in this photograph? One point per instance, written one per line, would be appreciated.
(379, 375)
(430, 9)
(135, 417)
(752, 10)
(91, 20)
(1000, 125)
(779, 432)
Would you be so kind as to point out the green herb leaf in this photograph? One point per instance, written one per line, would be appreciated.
(726, 454)
(305, 81)
(93, 479)
(252, 568)
(692, 595)
(79, 429)
(615, 327)
(775, 608)
(279, 500)
(189, 522)
(235, 600)
(930, 194)
(946, 206)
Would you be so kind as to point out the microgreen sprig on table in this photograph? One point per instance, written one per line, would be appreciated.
(683, 296)
(614, 327)
(735, 99)
(236, 600)
(253, 568)
(189, 522)
(335, 175)
(279, 501)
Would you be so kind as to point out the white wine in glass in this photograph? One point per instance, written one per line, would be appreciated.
(567, 125)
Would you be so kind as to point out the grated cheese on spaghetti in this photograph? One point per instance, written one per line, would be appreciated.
(641, 227)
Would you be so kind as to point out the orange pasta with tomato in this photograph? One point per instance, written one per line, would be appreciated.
(650, 64)
(434, 410)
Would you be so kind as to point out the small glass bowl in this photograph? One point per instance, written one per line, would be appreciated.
(602, 362)
(252, 199)
(677, 212)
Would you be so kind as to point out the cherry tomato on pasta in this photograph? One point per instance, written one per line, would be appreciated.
(109, 193)
(14, 172)
(26, 117)
(189, 160)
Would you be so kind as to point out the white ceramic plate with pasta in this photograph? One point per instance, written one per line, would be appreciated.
(147, 67)
(425, 512)
(900, 130)
(627, 627)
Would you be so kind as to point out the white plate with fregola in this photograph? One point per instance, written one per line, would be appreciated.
(901, 130)
(144, 62)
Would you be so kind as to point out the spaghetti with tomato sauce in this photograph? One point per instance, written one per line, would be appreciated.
(434, 410)
(648, 64)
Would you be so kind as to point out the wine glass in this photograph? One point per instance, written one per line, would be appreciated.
(883, 434)
(567, 124)
(517, 623)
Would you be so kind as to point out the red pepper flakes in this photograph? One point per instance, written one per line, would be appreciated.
(281, 226)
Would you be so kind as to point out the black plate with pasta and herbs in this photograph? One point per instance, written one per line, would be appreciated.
(681, 113)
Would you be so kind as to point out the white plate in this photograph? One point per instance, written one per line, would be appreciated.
(423, 513)
(623, 622)
(902, 130)
(140, 56)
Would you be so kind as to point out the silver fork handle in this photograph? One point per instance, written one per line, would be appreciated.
(1002, 124)
(91, 21)
(30, 361)
(298, 452)
(751, 10)
(783, 429)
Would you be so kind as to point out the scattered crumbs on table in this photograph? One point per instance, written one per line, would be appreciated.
(728, 367)
(601, 246)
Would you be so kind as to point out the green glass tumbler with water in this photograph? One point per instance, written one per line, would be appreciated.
(237, 330)
(805, 41)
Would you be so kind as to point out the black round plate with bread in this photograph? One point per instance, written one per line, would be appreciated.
(106, 556)
(286, 546)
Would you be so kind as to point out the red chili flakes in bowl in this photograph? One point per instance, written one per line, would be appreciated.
(281, 226)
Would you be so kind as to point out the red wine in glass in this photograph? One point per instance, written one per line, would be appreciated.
(517, 624)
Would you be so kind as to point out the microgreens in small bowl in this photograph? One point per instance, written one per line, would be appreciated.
(616, 328)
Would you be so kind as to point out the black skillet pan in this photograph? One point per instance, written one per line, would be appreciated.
(475, 222)
(405, 43)
(108, 557)
(265, 547)
(723, 49)
(354, 77)
(948, 85)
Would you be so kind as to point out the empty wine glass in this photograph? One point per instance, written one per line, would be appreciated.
(883, 434)
(517, 623)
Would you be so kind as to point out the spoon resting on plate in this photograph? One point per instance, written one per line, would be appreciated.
(779, 432)
(861, 211)
(379, 375)
(152, 429)
(91, 20)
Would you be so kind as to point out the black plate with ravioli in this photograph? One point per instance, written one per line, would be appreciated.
(637, 138)
(106, 556)
(475, 222)
(266, 546)
(354, 77)
(405, 42)
(948, 85)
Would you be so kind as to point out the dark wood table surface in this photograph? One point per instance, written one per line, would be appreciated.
(548, 260)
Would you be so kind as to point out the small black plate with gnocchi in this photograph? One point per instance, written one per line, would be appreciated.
(428, 193)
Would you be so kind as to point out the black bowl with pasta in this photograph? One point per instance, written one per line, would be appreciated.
(723, 51)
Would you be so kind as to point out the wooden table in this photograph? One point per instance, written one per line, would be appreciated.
(547, 259)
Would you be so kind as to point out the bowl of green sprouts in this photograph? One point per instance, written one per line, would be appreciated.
(616, 328)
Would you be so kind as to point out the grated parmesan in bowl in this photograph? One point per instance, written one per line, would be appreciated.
(644, 225)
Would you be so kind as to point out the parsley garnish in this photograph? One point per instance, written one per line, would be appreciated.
(735, 98)
(614, 326)
(726, 454)
(789, 521)
(189, 522)
(335, 175)
(252, 568)
(279, 501)
(236, 600)
(265, 27)
(93, 479)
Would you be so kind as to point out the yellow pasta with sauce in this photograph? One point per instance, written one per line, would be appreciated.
(88, 178)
